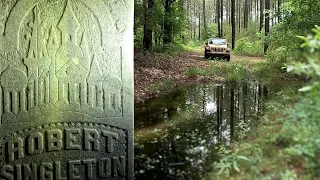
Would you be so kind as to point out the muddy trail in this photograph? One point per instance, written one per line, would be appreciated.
(155, 74)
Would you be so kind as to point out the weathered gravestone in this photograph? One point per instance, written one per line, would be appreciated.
(66, 89)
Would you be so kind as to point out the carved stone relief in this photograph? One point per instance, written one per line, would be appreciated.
(66, 61)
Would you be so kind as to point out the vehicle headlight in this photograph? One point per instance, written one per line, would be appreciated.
(207, 48)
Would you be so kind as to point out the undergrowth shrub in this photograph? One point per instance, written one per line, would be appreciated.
(245, 46)
(169, 49)
(301, 130)
(165, 85)
(237, 73)
(195, 71)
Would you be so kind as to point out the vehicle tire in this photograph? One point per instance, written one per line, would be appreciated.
(228, 58)
(206, 55)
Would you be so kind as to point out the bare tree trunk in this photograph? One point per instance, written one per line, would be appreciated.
(167, 27)
(147, 34)
(233, 23)
(279, 11)
(199, 38)
(193, 24)
(239, 15)
(245, 15)
(267, 23)
(218, 17)
(221, 16)
(227, 11)
(261, 14)
(204, 20)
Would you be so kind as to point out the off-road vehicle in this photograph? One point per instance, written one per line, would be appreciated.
(217, 48)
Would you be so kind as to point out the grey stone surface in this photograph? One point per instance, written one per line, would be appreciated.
(66, 89)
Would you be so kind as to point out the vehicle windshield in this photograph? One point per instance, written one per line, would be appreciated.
(217, 41)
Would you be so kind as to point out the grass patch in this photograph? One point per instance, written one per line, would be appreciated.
(237, 73)
(164, 86)
(196, 71)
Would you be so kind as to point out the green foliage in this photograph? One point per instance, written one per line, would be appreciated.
(237, 73)
(212, 70)
(175, 16)
(196, 71)
(233, 162)
(164, 86)
(212, 29)
(251, 31)
(168, 49)
(299, 17)
(310, 68)
(228, 162)
(245, 46)
(301, 130)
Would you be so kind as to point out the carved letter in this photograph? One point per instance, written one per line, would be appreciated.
(110, 137)
(28, 173)
(73, 170)
(89, 163)
(45, 173)
(71, 139)
(54, 140)
(91, 140)
(119, 165)
(5, 172)
(35, 143)
(58, 171)
(105, 168)
(14, 146)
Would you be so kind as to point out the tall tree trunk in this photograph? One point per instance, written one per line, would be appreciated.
(245, 15)
(256, 9)
(218, 17)
(221, 16)
(147, 34)
(167, 28)
(279, 11)
(199, 32)
(228, 12)
(204, 20)
(239, 15)
(267, 23)
(233, 23)
(261, 14)
(193, 24)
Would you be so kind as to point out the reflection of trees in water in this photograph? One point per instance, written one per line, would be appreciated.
(187, 149)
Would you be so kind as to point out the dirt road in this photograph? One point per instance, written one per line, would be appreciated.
(152, 70)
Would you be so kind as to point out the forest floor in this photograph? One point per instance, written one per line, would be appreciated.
(156, 74)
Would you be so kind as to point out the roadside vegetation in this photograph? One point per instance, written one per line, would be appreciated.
(286, 144)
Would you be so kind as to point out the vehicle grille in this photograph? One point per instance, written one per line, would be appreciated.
(217, 49)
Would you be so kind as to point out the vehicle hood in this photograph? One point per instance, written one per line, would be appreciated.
(217, 46)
